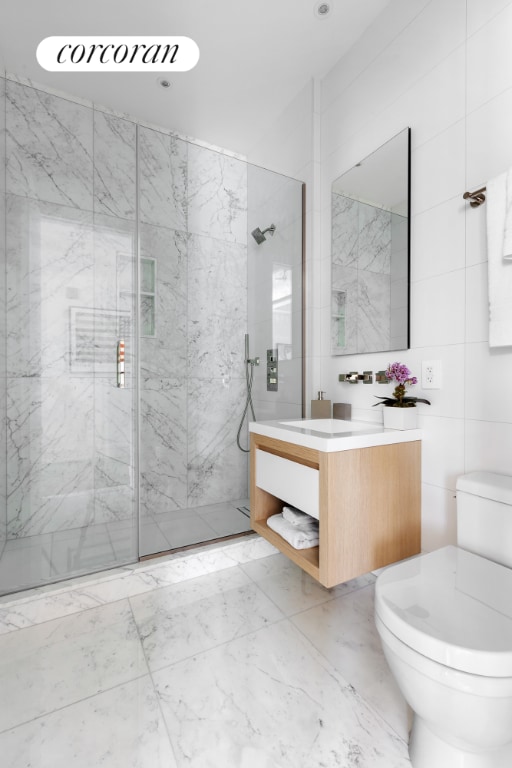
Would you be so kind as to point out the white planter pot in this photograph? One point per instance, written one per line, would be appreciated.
(400, 418)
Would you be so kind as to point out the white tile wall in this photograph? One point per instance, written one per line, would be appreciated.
(445, 70)
(488, 76)
(481, 13)
(438, 239)
(488, 128)
(477, 308)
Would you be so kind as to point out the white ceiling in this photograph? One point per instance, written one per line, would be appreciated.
(256, 55)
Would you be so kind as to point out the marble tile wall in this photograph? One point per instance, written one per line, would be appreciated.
(194, 225)
(163, 180)
(163, 365)
(49, 147)
(217, 195)
(217, 323)
(361, 269)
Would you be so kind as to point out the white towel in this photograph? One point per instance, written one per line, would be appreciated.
(507, 235)
(299, 539)
(499, 255)
(296, 517)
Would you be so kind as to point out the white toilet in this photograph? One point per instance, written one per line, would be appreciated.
(445, 621)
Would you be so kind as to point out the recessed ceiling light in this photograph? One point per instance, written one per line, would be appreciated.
(322, 10)
(164, 83)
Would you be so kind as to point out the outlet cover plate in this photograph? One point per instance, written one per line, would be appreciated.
(431, 374)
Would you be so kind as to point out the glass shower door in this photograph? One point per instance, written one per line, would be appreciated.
(70, 490)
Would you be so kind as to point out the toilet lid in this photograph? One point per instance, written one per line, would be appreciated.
(453, 607)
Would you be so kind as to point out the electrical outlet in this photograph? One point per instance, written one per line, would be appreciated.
(431, 374)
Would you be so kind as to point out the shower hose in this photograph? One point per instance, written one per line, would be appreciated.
(249, 375)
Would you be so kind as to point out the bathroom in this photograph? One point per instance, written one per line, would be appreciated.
(443, 69)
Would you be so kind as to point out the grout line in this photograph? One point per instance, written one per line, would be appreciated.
(73, 703)
(152, 679)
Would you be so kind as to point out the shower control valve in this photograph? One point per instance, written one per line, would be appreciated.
(272, 373)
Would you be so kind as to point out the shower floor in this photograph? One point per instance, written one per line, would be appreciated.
(184, 527)
(36, 560)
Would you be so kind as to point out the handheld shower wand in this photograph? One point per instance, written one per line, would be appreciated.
(249, 366)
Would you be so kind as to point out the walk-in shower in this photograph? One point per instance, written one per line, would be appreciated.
(143, 238)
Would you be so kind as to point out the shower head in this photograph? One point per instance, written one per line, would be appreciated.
(259, 236)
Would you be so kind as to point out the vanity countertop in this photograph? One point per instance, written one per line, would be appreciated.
(331, 435)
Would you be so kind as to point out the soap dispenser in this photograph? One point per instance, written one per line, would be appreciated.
(321, 409)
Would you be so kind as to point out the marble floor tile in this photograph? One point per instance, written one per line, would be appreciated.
(122, 727)
(183, 619)
(344, 631)
(271, 700)
(52, 665)
(233, 684)
(291, 588)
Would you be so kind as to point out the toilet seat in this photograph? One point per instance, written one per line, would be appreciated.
(453, 607)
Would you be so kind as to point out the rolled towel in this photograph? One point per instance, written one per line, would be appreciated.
(297, 538)
(296, 517)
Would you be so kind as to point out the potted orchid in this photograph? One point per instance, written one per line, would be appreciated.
(396, 412)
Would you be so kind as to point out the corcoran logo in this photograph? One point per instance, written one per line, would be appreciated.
(117, 54)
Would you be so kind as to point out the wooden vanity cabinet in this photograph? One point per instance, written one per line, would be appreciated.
(369, 505)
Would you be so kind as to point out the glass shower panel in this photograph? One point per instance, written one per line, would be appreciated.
(115, 395)
(70, 479)
(275, 269)
(69, 292)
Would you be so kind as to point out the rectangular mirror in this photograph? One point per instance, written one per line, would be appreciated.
(370, 252)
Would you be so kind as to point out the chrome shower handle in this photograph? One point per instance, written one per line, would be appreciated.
(120, 363)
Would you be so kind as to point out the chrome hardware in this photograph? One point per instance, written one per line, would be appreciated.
(381, 378)
(120, 363)
(354, 377)
(272, 374)
(475, 198)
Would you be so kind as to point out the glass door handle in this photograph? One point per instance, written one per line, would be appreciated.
(120, 363)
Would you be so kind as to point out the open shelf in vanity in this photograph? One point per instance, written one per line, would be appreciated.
(368, 501)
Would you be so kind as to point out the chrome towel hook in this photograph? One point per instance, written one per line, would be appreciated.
(476, 198)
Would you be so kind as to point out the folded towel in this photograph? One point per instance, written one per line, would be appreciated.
(296, 517)
(499, 255)
(299, 539)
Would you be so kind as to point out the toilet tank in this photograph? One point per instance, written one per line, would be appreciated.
(484, 515)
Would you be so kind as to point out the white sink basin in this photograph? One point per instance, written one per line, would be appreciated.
(333, 434)
(328, 426)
